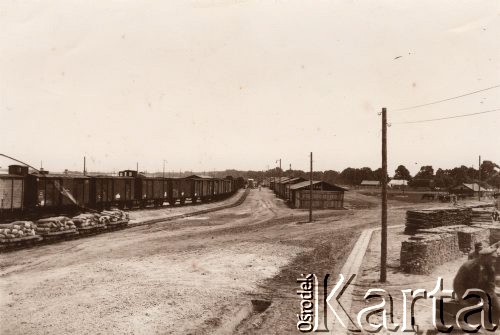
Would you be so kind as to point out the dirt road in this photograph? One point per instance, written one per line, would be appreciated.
(183, 276)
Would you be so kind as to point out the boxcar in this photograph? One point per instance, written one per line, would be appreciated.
(147, 190)
(203, 186)
(216, 192)
(110, 191)
(46, 191)
(11, 194)
(181, 189)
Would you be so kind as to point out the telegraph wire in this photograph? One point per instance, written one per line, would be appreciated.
(447, 99)
(447, 117)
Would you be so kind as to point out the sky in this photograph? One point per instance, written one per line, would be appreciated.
(218, 84)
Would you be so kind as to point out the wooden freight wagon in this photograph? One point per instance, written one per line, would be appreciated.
(108, 191)
(11, 195)
(57, 191)
(217, 190)
(147, 190)
(204, 187)
(181, 189)
(324, 195)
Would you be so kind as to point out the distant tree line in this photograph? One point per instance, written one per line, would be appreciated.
(425, 177)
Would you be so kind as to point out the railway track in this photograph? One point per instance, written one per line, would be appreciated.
(65, 237)
(238, 202)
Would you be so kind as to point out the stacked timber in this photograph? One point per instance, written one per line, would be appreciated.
(58, 225)
(17, 231)
(436, 217)
(421, 253)
(482, 214)
(467, 235)
(494, 229)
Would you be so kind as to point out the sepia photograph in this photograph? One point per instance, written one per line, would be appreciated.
(249, 167)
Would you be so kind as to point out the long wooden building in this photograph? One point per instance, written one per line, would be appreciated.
(324, 195)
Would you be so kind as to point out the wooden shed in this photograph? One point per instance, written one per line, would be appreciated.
(370, 184)
(324, 195)
(287, 195)
(278, 185)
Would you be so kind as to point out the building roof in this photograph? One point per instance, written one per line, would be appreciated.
(370, 183)
(398, 182)
(473, 186)
(282, 180)
(306, 183)
(294, 180)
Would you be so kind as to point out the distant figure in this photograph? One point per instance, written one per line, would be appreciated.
(259, 187)
(495, 215)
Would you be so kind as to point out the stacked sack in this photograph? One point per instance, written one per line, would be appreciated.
(88, 220)
(16, 230)
(54, 225)
(113, 216)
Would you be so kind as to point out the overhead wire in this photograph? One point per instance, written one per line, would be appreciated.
(447, 99)
(447, 117)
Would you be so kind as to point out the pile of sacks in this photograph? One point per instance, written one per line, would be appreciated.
(16, 230)
(88, 220)
(55, 224)
(113, 216)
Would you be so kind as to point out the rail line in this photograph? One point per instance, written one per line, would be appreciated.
(43, 241)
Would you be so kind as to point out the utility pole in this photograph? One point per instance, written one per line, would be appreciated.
(479, 183)
(279, 180)
(163, 168)
(383, 246)
(84, 166)
(311, 190)
(137, 167)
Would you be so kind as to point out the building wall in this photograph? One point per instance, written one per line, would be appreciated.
(320, 199)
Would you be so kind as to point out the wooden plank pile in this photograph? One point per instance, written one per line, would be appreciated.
(436, 217)
(58, 225)
(421, 253)
(482, 214)
(467, 235)
(494, 229)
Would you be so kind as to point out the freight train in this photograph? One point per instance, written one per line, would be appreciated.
(23, 193)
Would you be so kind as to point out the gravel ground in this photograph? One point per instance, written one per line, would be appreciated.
(182, 276)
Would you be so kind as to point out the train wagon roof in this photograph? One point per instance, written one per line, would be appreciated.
(58, 175)
(13, 176)
(199, 176)
(102, 176)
